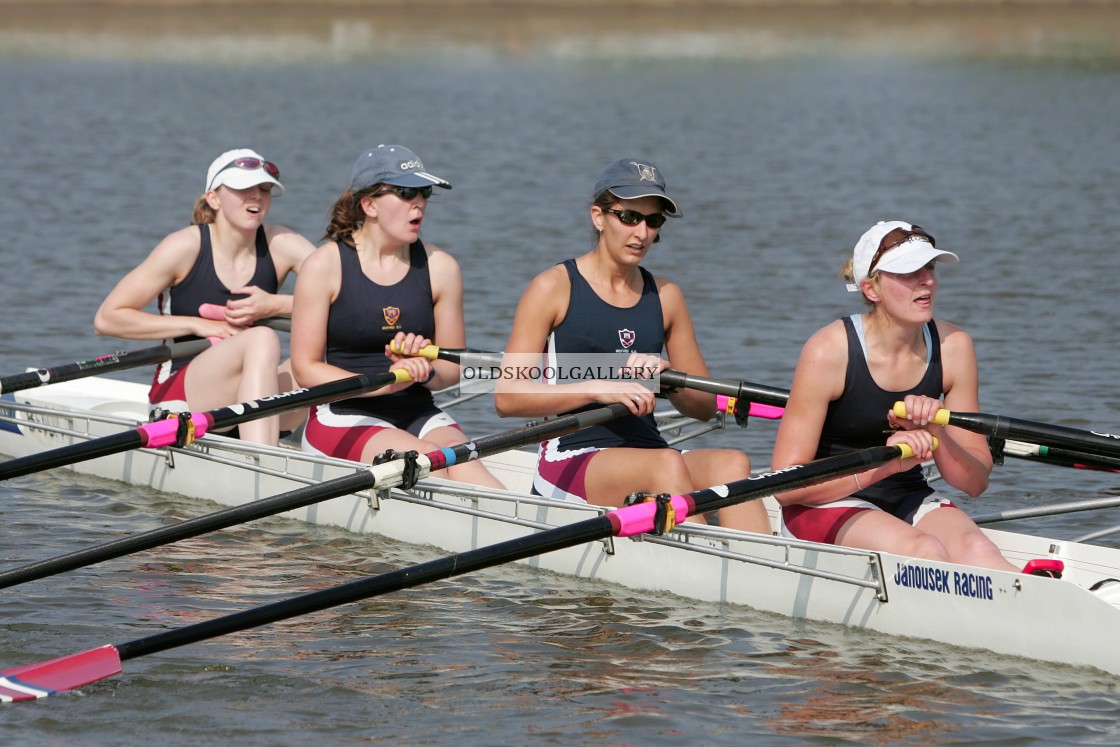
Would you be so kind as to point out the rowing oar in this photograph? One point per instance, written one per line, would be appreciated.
(398, 470)
(69, 672)
(1063, 457)
(121, 360)
(180, 431)
(764, 401)
(112, 362)
(1087, 445)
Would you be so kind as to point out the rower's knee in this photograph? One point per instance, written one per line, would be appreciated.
(926, 546)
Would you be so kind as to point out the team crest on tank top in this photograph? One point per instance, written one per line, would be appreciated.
(627, 337)
(392, 315)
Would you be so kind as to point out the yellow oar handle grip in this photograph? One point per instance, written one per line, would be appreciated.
(401, 374)
(431, 352)
(907, 452)
(941, 417)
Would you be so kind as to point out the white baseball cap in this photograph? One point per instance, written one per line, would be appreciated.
(901, 247)
(243, 168)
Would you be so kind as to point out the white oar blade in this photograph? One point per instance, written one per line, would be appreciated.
(47, 678)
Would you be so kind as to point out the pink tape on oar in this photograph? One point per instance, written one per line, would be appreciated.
(638, 519)
(730, 404)
(166, 432)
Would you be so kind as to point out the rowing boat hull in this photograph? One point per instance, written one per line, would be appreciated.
(1002, 612)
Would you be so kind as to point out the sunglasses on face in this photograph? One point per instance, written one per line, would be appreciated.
(896, 237)
(633, 218)
(251, 163)
(408, 194)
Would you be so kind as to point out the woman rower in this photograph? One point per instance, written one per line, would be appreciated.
(847, 380)
(604, 302)
(372, 284)
(214, 279)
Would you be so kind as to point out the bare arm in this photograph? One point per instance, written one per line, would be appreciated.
(288, 250)
(684, 353)
(447, 295)
(963, 457)
(121, 314)
(817, 381)
(541, 308)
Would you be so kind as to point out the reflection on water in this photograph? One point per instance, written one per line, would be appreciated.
(297, 33)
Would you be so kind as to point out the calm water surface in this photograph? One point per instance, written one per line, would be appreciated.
(781, 141)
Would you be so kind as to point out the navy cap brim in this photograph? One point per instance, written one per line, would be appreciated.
(634, 193)
(417, 179)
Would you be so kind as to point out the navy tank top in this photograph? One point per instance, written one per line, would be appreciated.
(858, 420)
(202, 285)
(591, 325)
(366, 316)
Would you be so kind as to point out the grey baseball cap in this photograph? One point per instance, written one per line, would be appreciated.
(392, 164)
(630, 178)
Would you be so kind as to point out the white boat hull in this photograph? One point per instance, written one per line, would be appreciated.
(1007, 613)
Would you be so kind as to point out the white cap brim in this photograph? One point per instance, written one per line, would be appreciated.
(237, 178)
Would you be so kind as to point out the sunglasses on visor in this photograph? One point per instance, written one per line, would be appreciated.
(894, 238)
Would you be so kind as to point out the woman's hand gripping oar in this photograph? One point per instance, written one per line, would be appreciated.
(1059, 442)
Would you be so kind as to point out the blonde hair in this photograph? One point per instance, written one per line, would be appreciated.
(203, 213)
(848, 274)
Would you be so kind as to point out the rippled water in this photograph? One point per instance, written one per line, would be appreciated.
(782, 142)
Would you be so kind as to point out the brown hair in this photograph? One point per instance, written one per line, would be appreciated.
(203, 213)
(346, 215)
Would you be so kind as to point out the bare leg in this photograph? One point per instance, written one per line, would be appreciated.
(615, 473)
(710, 467)
(878, 530)
(398, 440)
(963, 540)
(289, 421)
(238, 369)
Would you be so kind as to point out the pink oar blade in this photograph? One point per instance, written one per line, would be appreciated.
(48, 678)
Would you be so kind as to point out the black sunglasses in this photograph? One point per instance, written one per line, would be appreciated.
(633, 218)
(896, 237)
(407, 194)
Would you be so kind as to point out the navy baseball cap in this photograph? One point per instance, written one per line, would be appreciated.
(392, 164)
(630, 178)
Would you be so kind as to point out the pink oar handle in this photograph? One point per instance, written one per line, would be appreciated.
(729, 404)
(214, 311)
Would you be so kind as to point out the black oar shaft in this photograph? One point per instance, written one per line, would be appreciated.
(764, 395)
(389, 474)
(105, 364)
(404, 578)
(64, 455)
(580, 532)
(998, 426)
(223, 417)
(188, 528)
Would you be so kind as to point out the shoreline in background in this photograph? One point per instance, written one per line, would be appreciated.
(277, 31)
